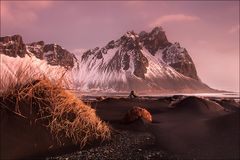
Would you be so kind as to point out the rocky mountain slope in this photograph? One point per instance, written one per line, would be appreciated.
(171, 53)
(145, 62)
(54, 54)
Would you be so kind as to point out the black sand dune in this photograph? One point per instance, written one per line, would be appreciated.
(229, 104)
(41, 117)
(20, 139)
(194, 128)
(197, 105)
(112, 109)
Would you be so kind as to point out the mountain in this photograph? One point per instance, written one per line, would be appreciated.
(144, 62)
(173, 54)
(54, 54)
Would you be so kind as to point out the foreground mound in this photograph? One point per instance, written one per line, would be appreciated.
(136, 113)
(41, 116)
(195, 105)
(229, 104)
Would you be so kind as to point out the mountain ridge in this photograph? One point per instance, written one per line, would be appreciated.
(141, 62)
(144, 62)
(172, 53)
(54, 54)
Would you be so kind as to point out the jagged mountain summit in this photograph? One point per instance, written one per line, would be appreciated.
(171, 53)
(145, 62)
(54, 54)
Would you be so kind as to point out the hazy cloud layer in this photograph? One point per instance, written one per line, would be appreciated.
(19, 14)
(173, 18)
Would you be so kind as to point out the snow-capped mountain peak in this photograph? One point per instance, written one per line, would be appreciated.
(142, 62)
(54, 54)
(146, 62)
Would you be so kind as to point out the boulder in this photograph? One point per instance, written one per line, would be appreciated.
(137, 113)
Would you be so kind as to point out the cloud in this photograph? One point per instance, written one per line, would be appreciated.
(234, 29)
(172, 18)
(15, 13)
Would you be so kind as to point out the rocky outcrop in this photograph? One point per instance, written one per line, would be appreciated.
(178, 58)
(129, 50)
(172, 54)
(13, 46)
(130, 43)
(155, 40)
(54, 54)
(137, 113)
(126, 50)
(37, 49)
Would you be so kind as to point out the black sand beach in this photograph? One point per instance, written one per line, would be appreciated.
(193, 128)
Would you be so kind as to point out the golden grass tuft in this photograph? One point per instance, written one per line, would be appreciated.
(47, 103)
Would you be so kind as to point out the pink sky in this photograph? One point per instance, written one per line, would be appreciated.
(208, 30)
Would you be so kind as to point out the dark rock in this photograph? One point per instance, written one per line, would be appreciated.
(56, 55)
(126, 60)
(173, 54)
(110, 45)
(115, 63)
(86, 55)
(140, 65)
(129, 51)
(179, 59)
(130, 42)
(37, 49)
(12, 46)
(99, 55)
(136, 113)
(154, 40)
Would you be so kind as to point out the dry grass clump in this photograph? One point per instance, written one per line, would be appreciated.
(47, 103)
(20, 72)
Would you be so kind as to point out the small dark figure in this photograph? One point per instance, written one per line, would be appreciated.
(132, 95)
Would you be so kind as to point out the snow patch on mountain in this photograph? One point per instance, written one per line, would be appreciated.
(158, 68)
(174, 54)
(145, 63)
(14, 70)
